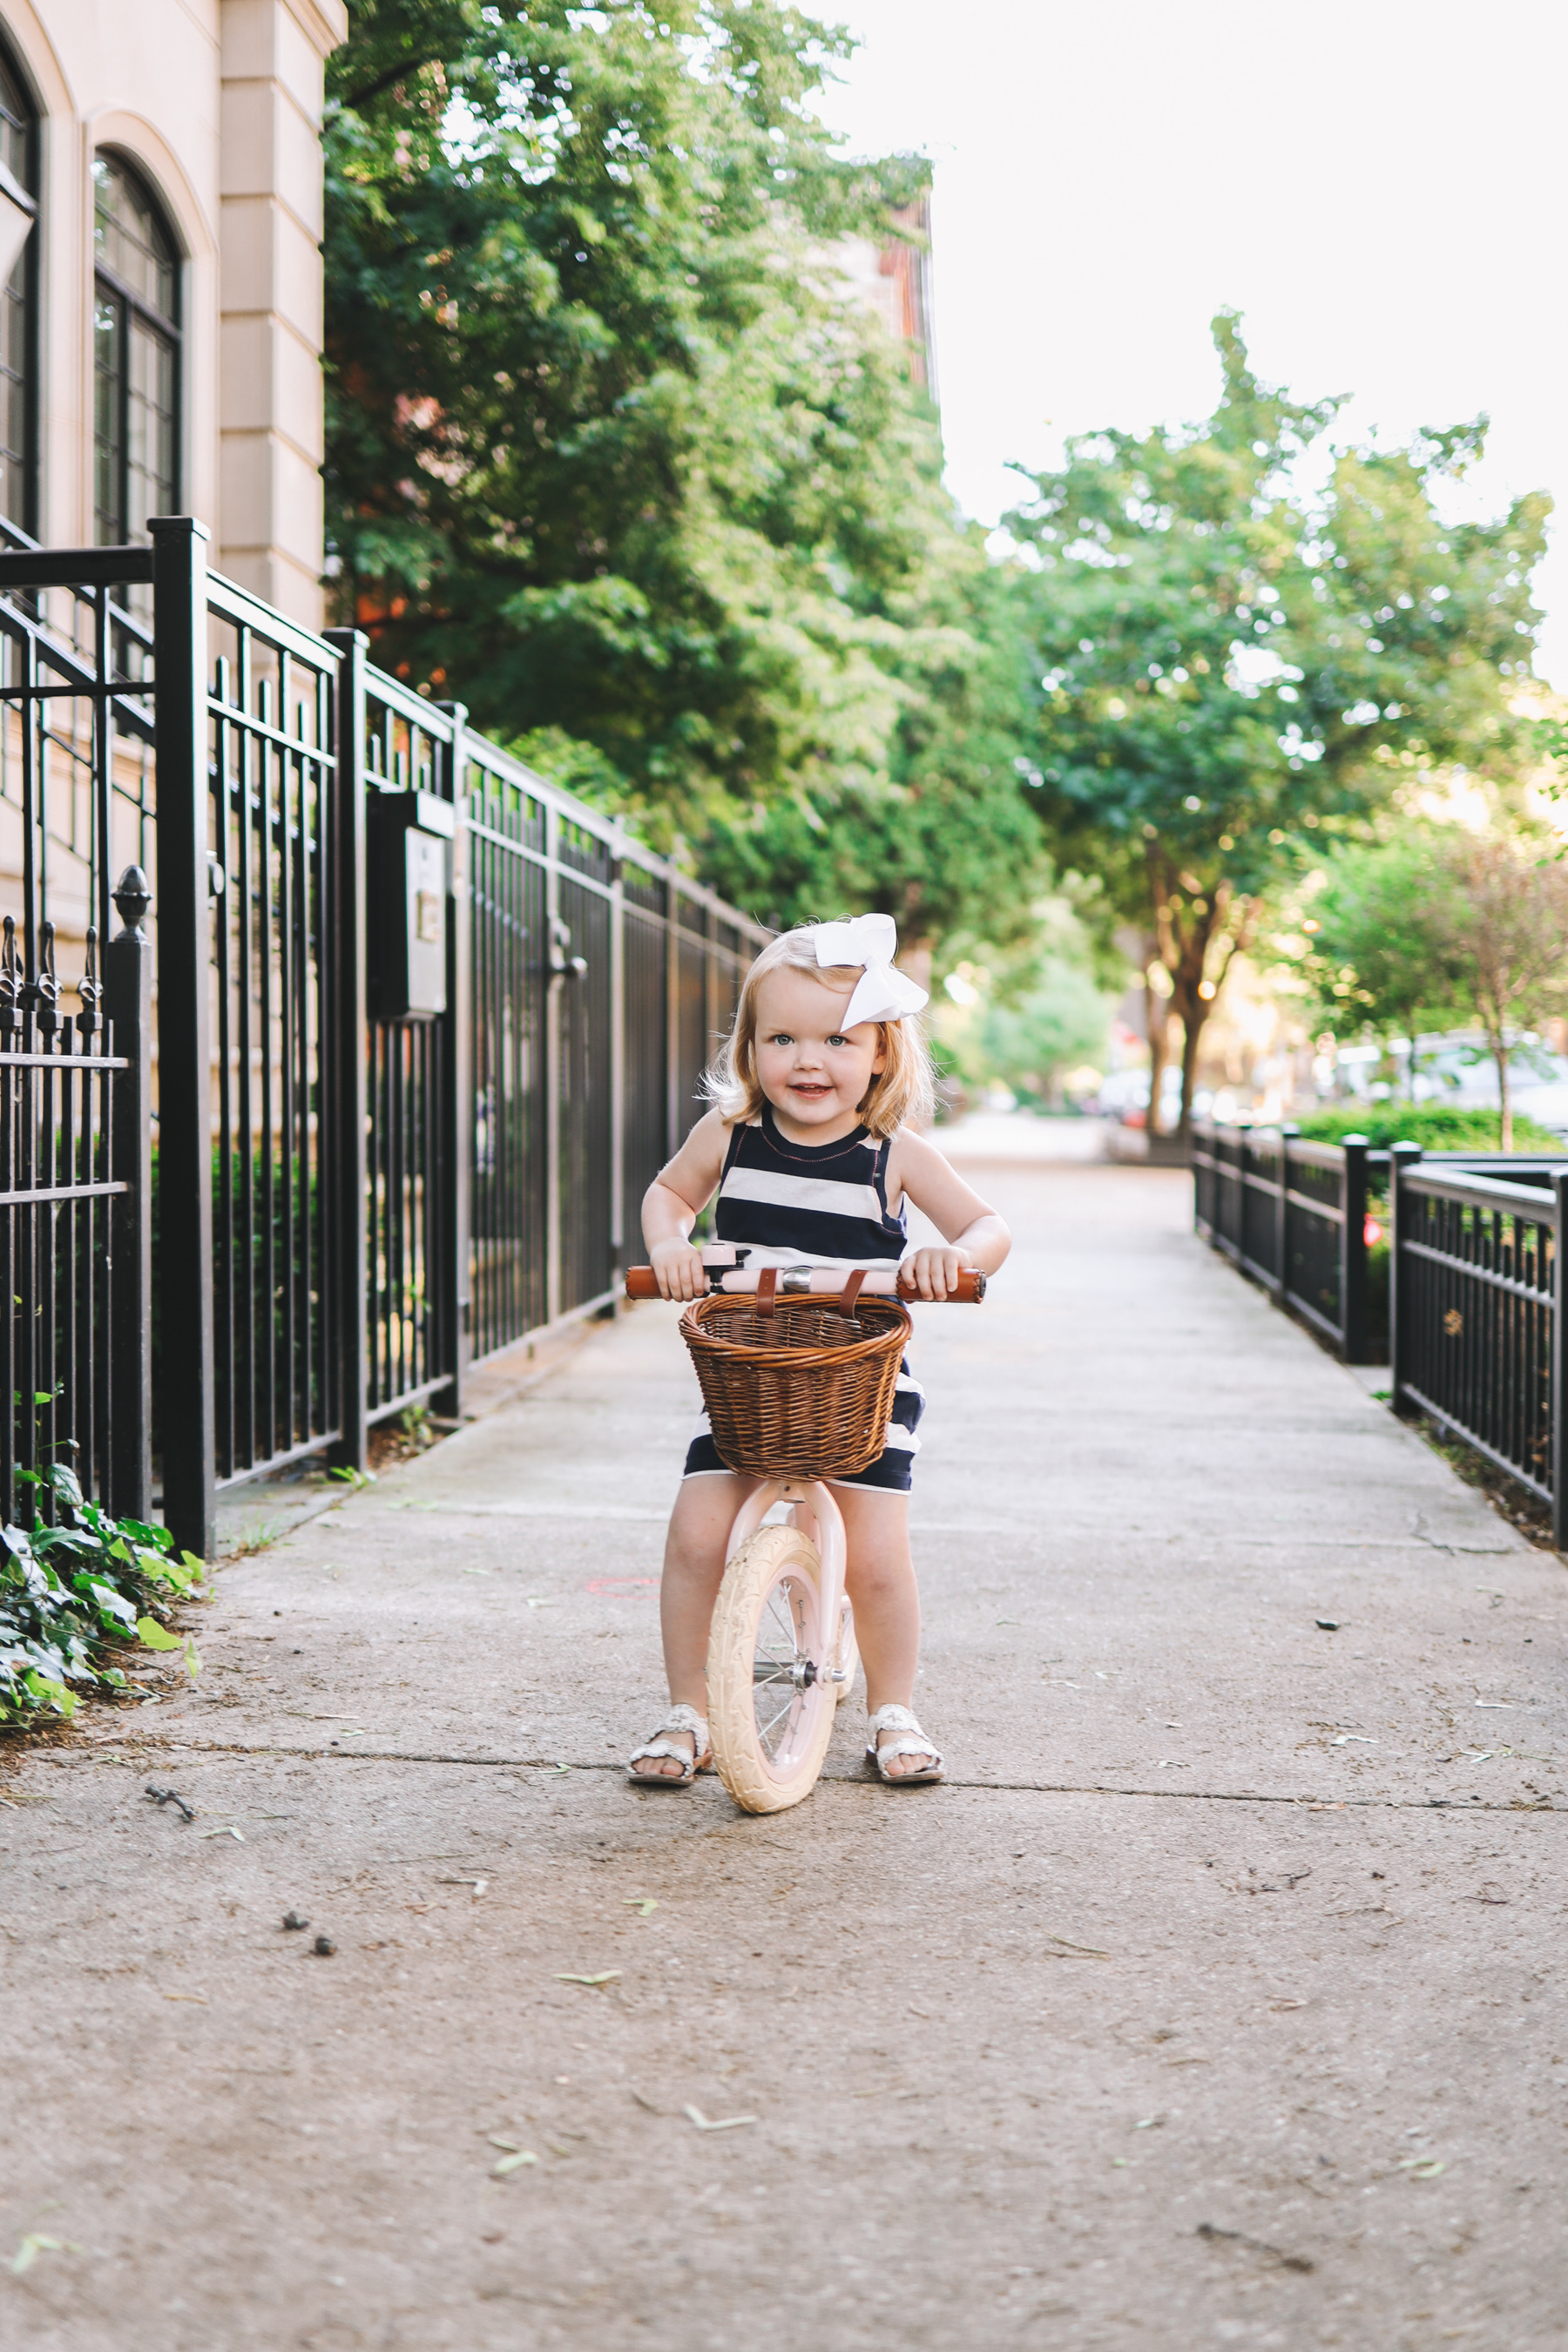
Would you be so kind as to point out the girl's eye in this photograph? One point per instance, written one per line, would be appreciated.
(781, 1038)
(838, 1041)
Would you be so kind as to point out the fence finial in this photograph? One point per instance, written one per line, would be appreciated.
(90, 1020)
(132, 896)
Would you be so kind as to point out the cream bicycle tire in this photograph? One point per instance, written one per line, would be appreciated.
(849, 1656)
(769, 1749)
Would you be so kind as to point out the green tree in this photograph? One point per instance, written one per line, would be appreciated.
(1373, 945)
(609, 450)
(1230, 671)
(945, 841)
(1444, 925)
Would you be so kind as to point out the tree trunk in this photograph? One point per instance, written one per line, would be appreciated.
(1505, 1101)
(1157, 1027)
(1191, 1030)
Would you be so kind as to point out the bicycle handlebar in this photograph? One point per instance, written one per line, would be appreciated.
(820, 1280)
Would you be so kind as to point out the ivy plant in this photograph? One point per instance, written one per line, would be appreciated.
(75, 1590)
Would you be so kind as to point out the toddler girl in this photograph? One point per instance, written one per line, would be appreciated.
(812, 1148)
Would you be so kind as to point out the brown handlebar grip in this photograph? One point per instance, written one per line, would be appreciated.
(971, 1288)
(641, 1282)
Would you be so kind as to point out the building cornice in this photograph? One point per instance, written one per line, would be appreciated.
(325, 23)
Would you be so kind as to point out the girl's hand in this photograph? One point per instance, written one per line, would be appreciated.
(933, 1273)
(679, 1268)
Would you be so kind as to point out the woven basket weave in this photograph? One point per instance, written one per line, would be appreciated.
(803, 1392)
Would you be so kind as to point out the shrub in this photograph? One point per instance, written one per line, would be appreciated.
(1436, 1126)
(73, 1593)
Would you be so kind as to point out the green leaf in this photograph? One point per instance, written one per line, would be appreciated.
(155, 1637)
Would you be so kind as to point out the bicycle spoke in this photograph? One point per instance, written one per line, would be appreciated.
(788, 1708)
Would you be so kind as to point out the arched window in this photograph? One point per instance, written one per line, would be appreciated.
(18, 300)
(136, 356)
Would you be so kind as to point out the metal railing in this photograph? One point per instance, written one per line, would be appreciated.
(1476, 1333)
(1292, 1215)
(1477, 1314)
(351, 1209)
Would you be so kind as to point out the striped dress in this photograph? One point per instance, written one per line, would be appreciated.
(788, 1204)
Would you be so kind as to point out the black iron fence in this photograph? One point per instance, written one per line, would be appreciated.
(1478, 1317)
(1473, 1324)
(425, 1028)
(1292, 1215)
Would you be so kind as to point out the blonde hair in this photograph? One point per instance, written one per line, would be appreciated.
(902, 1093)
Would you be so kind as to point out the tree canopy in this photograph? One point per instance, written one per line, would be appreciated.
(616, 459)
(1231, 667)
(1440, 925)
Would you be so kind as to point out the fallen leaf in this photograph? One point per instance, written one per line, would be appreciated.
(1422, 2168)
(1085, 1951)
(34, 2244)
(230, 1832)
(199, 1997)
(643, 1902)
(607, 1975)
(648, 2104)
(727, 2123)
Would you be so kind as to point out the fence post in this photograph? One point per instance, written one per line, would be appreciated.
(186, 1368)
(346, 1107)
(128, 999)
(1559, 1363)
(671, 1013)
(619, 1257)
(1352, 1251)
(554, 968)
(1400, 1292)
(1282, 1210)
(457, 1088)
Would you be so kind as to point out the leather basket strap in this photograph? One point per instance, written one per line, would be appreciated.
(767, 1285)
(851, 1291)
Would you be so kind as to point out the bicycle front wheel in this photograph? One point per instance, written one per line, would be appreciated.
(771, 1697)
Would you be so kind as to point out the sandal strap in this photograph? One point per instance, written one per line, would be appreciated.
(913, 1741)
(892, 1718)
(655, 1747)
(679, 1718)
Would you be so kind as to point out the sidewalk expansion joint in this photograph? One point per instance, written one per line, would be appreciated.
(107, 1752)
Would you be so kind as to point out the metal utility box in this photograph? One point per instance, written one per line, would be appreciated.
(407, 878)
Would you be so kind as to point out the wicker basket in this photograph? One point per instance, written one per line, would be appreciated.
(802, 1391)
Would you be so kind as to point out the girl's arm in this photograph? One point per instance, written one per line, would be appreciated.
(674, 1202)
(975, 1235)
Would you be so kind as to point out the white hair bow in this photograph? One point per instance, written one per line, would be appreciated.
(882, 992)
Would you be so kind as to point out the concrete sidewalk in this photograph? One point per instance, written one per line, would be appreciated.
(1214, 2000)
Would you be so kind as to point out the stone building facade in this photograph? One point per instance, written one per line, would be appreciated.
(161, 317)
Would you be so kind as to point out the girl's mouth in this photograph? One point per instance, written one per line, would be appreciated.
(808, 1086)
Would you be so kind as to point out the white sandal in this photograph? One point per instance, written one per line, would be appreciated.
(899, 1718)
(679, 1718)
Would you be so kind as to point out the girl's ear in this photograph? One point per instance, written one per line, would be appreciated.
(880, 1059)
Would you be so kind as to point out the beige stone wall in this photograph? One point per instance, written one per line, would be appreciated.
(218, 102)
(269, 397)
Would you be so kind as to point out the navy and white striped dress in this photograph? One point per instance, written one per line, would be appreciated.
(789, 1204)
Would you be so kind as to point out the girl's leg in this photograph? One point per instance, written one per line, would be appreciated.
(880, 1579)
(699, 1526)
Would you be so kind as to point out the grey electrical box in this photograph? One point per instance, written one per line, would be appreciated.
(407, 878)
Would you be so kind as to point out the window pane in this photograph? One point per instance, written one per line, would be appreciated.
(149, 429)
(16, 466)
(15, 125)
(131, 240)
(109, 373)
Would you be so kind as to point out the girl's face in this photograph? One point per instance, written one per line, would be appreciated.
(813, 1072)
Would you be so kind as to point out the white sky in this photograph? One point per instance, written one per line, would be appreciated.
(1376, 184)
